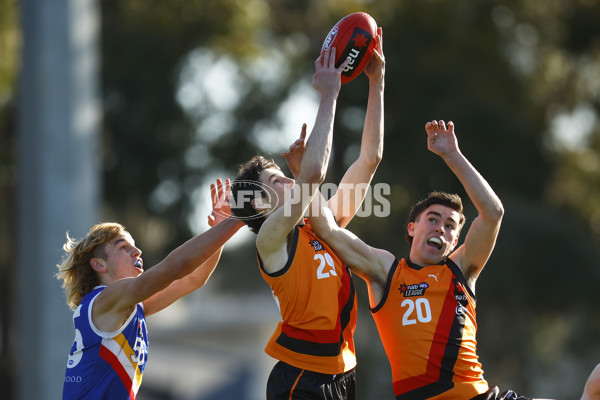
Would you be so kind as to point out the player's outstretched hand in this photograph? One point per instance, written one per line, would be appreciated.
(441, 140)
(293, 157)
(219, 195)
(327, 79)
(375, 69)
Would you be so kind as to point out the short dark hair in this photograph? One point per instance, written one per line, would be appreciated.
(450, 200)
(247, 179)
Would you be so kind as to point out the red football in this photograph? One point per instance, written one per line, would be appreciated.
(353, 37)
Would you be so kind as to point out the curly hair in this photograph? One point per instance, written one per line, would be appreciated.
(75, 271)
(450, 200)
(248, 181)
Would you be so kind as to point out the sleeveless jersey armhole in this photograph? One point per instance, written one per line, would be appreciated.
(388, 284)
(101, 333)
(290, 259)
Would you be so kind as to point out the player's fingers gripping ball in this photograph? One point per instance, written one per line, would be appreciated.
(354, 38)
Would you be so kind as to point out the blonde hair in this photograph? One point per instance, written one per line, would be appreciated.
(78, 277)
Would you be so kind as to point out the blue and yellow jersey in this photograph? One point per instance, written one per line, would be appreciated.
(105, 365)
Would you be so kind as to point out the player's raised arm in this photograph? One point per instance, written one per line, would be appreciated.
(221, 213)
(481, 236)
(271, 242)
(120, 296)
(354, 185)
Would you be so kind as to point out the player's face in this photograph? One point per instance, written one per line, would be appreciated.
(123, 258)
(278, 188)
(435, 234)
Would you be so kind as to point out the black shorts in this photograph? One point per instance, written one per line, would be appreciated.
(287, 382)
(494, 394)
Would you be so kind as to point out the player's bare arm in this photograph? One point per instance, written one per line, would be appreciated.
(272, 238)
(481, 236)
(353, 186)
(114, 304)
(368, 262)
(221, 211)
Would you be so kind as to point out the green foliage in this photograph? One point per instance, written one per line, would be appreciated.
(9, 43)
(501, 70)
(505, 71)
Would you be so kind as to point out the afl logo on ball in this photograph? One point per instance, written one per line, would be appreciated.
(330, 37)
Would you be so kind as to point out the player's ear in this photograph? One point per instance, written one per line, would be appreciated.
(410, 228)
(98, 264)
(259, 205)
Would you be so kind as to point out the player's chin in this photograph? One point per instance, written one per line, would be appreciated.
(436, 255)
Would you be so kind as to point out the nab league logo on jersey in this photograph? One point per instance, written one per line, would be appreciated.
(459, 294)
(316, 245)
(418, 289)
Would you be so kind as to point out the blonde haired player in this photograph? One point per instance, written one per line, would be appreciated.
(111, 295)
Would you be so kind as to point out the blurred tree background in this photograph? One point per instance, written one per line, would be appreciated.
(193, 88)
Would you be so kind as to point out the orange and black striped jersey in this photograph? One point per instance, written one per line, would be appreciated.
(426, 321)
(317, 301)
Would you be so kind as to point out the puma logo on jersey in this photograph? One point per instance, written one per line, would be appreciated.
(434, 276)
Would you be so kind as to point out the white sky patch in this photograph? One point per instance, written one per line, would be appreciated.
(197, 156)
(301, 107)
(212, 127)
(208, 83)
(270, 70)
(164, 195)
(222, 84)
(572, 130)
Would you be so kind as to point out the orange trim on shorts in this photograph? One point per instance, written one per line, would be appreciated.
(294, 385)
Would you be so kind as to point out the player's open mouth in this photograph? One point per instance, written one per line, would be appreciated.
(435, 242)
(138, 263)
